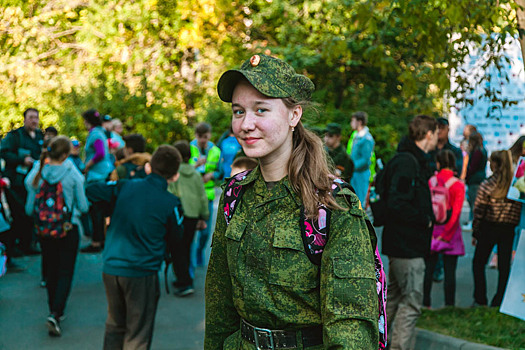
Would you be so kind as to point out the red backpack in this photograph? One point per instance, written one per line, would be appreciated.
(52, 217)
(440, 194)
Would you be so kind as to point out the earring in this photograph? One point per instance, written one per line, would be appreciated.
(293, 129)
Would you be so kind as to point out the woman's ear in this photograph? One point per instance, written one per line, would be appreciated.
(295, 116)
(147, 168)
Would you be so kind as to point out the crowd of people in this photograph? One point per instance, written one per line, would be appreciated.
(297, 265)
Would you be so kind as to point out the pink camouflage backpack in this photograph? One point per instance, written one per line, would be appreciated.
(315, 235)
(440, 195)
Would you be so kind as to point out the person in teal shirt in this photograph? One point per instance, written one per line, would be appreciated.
(362, 149)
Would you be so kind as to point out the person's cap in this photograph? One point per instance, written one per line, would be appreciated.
(442, 121)
(333, 129)
(52, 130)
(106, 118)
(75, 143)
(270, 76)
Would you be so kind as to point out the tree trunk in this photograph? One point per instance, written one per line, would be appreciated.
(521, 26)
(188, 72)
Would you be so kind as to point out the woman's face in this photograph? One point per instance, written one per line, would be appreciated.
(262, 124)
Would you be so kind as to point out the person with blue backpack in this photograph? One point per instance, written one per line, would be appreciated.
(55, 200)
(292, 262)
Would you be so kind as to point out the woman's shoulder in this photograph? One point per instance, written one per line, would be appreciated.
(488, 183)
(346, 198)
(458, 185)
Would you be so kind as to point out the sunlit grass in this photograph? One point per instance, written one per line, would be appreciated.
(480, 325)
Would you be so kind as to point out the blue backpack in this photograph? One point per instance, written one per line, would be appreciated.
(315, 234)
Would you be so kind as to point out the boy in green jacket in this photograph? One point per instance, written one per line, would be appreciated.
(190, 189)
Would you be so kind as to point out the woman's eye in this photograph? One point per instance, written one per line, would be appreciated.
(238, 112)
(261, 110)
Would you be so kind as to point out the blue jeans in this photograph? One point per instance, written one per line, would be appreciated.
(472, 192)
(203, 237)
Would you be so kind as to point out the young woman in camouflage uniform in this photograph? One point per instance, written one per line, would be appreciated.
(262, 290)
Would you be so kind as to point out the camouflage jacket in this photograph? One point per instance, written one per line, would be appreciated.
(259, 271)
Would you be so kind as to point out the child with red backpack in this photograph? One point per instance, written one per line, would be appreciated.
(55, 199)
(447, 193)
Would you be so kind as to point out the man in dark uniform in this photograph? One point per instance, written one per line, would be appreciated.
(444, 143)
(343, 164)
(20, 149)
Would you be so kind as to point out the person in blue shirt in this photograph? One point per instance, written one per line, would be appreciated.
(230, 147)
(74, 156)
(146, 219)
(362, 148)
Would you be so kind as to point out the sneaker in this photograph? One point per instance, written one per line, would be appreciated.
(184, 291)
(493, 264)
(53, 325)
(92, 249)
(476, 304)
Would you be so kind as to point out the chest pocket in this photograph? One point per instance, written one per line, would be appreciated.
(234, 233)
(290, 266)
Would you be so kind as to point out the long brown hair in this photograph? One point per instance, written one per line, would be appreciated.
(309, 171)
(58, 147)
(475, 141)
(501, 166)
(517, 148)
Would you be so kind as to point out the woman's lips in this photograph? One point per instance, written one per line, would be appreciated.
(251, 140)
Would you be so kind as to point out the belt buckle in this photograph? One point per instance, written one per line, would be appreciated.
(266, 333)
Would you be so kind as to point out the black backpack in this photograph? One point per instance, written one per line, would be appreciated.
(379, 191)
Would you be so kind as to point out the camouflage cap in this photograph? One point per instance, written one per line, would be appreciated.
(333, 129)
(270, 76)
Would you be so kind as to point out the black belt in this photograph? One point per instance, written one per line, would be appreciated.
(266, 339)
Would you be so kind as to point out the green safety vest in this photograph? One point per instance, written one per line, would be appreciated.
(372, 157)
(211, 165)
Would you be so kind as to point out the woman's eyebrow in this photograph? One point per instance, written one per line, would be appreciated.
(255, 103)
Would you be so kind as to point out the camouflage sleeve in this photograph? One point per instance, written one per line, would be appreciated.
(349, 304)
(222, 318)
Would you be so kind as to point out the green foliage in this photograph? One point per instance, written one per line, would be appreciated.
(481, 325)
(154, 64)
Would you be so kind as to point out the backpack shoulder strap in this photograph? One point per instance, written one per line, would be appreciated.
(232, 195)
(451, 182)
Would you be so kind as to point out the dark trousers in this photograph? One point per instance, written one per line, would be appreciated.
(8, 239)
(472, 192)
(450, 263)
(132, 304)
(492, 233)
(181, 261)
(59, 257)
(98, 222)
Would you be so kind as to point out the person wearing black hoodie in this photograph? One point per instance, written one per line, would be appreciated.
(408, 228)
